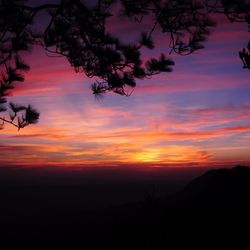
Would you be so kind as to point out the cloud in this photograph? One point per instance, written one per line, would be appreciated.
(151, 126)
(196, 117)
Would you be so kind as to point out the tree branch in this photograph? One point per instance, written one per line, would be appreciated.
(9, 121)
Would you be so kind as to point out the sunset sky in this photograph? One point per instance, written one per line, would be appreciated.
(198, 115)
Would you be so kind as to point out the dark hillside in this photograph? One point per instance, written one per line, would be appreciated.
(210, 213)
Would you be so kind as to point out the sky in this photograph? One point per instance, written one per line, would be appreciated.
(198, 115)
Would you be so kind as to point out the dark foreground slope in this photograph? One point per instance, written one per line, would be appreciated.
(212, 212)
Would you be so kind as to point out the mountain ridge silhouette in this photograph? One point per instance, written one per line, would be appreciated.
(219, 183)
(209, 213)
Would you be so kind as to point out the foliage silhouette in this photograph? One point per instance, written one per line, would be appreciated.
(245, 56)
(77, 30)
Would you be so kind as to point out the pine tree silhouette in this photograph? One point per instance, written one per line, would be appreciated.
(78, 31)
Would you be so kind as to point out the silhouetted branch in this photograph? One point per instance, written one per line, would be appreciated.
(8, 121)
(245, 56)
(78, 32)
(21, 116)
